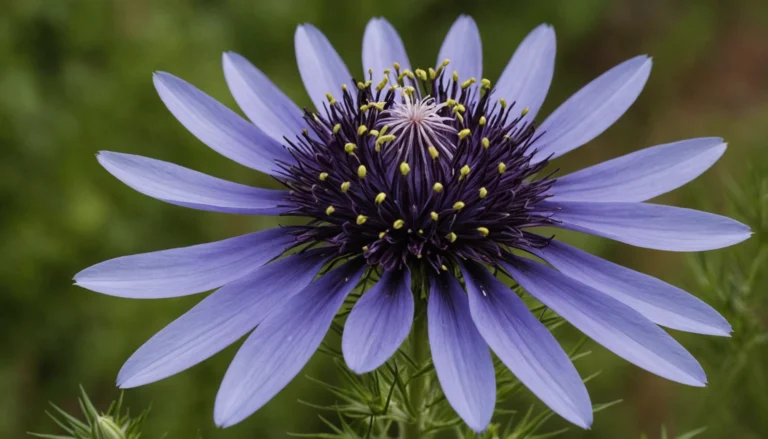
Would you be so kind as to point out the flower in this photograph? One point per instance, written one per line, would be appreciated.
(437, 173)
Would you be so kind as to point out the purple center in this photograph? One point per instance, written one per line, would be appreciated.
(425, 170)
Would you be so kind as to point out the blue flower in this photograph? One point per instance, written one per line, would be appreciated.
(437, 173)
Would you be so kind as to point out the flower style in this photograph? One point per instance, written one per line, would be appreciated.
(436, 173)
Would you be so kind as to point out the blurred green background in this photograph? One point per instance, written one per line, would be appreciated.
(75, 78)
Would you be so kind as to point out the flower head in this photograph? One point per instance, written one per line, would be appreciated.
(438, 172)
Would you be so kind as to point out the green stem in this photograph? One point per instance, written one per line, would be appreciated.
(417, 387)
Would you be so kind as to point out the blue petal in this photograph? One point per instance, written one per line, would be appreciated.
(264, 104)
(462, 46)
(525, 346)
(379, 322)
(460, 355)
(641, 175)
(593, 109)
(282, 344)
(608, 321)
(219, 127)
(220, 319)
(382, 47)
(187, 270)
(651, 225)
(321, 68)
(658, 301)
(528, 75)
(184, 187)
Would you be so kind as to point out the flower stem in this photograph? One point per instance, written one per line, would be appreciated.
(417, 387)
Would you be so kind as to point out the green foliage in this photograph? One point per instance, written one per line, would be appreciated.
(115, 423)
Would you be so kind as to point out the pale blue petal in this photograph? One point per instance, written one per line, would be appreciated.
(460, 355)
(264, 104)
(187, 270)
(592, 109)
(379, 322)
(525, 346)
(184, 187)
(321, 68)
(528, 75)
(651, 225)
(609, 322)
(658, 301)
(641, 175)
(219, 127)
(382, 47)
(220, 319)
(462, 46)
(282, 344)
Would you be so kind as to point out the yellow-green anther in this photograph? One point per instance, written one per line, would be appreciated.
(434, 216)
(483, 231)
(383, 130)
(330, 98)
(364, 107)
(315, 116)
(396, 65)
(526, 110)
(409, 90)
(368, 83)
(432, 74)
(451, 236)
(394, 87)
(421, 74)
(365, 248)
(345, 186)
(387, 71)
(336, 128)
(433, 152)
(485, 83)
(468, 82)
(373, 133)
(437, 187)
(380, 197)
(483, 120)
(483, 192)
(444, 268)
(370, 71)
(503, 103)
(398, 224)
(460, 117)
(304, 131)
(408, 73)
(405, 168)
(343, 87)
(464, 171)
(421, 232)
(361, 130)
(446, 62)
(330, 210)
(378, 105)
(455, 76)
(382, 84)
(450, 103)
(485, 142)
(360, 85)
(464, 133)
(382, 235)
(323, 176)
(361, 219)
(361, 171)
(502, 168)
(458, 205)
(350, 148)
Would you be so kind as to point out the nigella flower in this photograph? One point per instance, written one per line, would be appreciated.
(434, 173)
